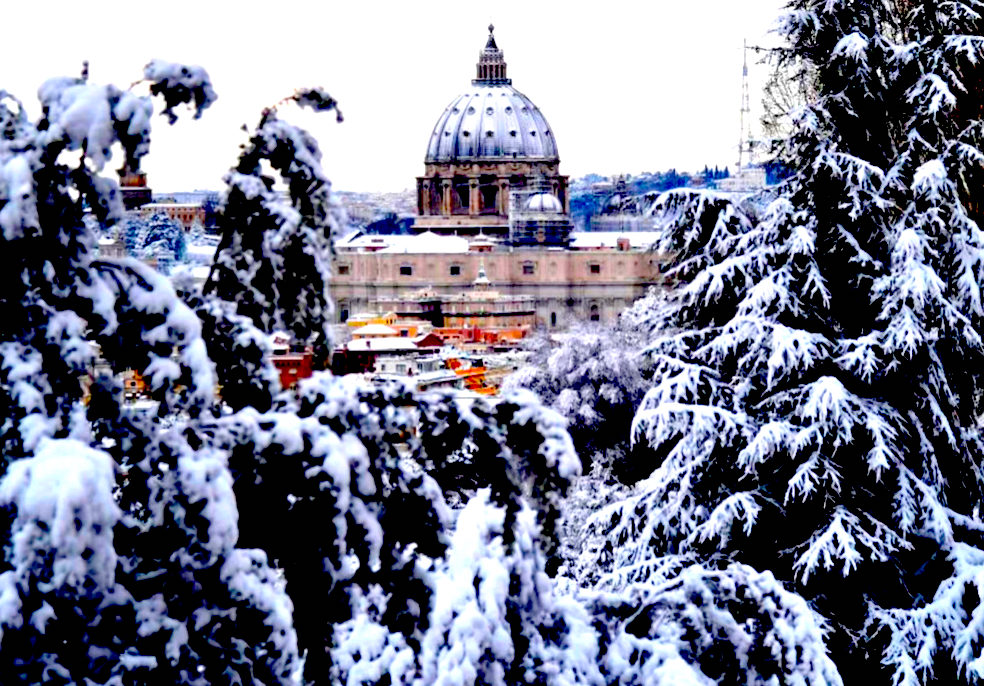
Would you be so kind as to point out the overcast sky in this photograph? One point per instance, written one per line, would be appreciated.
(627, 86)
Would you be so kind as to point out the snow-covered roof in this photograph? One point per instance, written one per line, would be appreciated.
(375, 330)
(176, 205)
(427, 242)
(432, 243)
(381, 345)
(586, 240)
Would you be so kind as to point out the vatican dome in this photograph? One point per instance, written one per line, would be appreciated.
(491, 120)
(490, 150)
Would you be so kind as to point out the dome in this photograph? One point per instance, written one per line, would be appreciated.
(491, 121)
(544, 202)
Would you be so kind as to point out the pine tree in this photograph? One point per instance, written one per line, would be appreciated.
(816, 398)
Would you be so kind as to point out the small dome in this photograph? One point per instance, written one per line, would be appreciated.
(544, 202)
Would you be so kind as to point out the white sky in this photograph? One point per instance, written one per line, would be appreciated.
(627, 86)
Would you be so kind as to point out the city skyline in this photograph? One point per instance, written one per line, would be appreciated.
(626, 90)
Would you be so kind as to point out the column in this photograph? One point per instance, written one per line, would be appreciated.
(446, 197)
(474, 201)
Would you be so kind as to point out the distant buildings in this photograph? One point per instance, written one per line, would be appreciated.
(187, 214)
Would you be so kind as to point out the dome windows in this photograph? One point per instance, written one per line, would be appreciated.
(489, 111)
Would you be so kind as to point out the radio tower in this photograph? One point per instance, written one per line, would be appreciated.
(745, 134)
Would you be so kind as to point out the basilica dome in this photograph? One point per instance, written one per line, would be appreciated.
(490, 150)
(491, 120)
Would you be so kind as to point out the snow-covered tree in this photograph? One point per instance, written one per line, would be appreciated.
(595, 378)
(273, 260)
(815, 404)
(157, 237)
(119, 561)
(163, 230)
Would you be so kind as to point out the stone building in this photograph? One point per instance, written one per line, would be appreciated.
(597, 277)
(489, 141)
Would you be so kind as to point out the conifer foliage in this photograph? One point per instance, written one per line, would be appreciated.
(119, 561)
(816, 402)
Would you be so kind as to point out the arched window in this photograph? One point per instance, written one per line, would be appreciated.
(436, 196)
(553, 320)
(460, 195)
(489, 191)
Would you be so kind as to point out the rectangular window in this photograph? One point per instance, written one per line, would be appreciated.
(406, 270)
(529, 268)
(594, 268)
(343, 269)
(455, 270)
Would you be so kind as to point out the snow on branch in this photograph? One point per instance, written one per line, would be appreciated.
(180, 84)
(933, 95)
(64, 514)
(738, 509)
(848, 540)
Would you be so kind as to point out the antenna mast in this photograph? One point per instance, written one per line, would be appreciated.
(745, 134)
